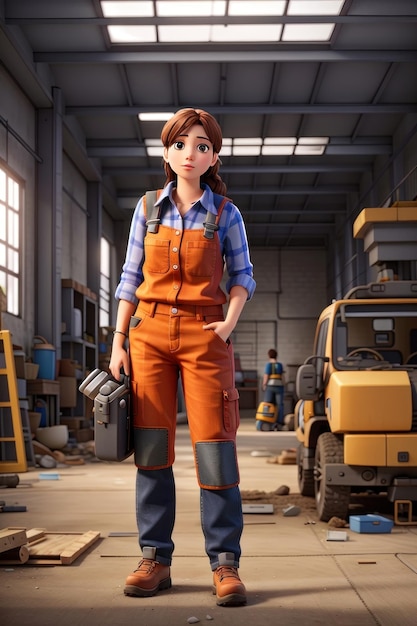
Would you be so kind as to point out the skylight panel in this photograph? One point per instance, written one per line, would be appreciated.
(132, 34)
(260, 7)
(127, 8)
(204, 33)
(184, 33)
(170, 8)
(246, 32)
(318, 7)
(219, 32)
(307, 32)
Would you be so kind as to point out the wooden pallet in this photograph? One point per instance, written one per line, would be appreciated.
(50, 547)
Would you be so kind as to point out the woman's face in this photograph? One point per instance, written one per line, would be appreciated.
(191, 154)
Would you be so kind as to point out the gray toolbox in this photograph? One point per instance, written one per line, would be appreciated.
(113, 426)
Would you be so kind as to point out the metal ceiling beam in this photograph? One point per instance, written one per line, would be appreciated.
(247, 109)
(249, 169)
(273, 227)
(212, 20)
(296, 191)
(230, 53)
(276, 191)
(112, 152)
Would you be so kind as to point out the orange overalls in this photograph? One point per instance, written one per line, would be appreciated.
(181, 291)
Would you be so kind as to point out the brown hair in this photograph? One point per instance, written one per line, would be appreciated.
(182, 121)
(272, 353)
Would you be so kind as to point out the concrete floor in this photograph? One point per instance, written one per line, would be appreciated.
(292, 573)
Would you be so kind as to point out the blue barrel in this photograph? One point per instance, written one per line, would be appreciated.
(44, 354)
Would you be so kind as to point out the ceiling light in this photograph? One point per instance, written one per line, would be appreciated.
(247, 141)
(155, 117)
(283, 150)
(313, 141)
(280, 141)
(309, 150)
(246, 150)
(154, 148)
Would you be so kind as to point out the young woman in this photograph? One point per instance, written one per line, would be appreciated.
(171, 309)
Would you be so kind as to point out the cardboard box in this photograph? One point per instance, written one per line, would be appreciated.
(19, 364)
(67, 391)
(68, 367)
(370, 524)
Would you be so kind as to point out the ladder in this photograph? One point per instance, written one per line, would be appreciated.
(12, 445)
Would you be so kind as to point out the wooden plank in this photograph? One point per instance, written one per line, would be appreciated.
(11, 538)
(79, 546)
(34, 534)
(63, 548)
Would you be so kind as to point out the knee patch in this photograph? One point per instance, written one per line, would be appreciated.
(216, 464)
(151, 448)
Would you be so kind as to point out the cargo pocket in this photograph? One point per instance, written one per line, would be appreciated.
(231, 417)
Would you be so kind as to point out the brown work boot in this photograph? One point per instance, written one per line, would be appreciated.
(149, 577)
(229, 589)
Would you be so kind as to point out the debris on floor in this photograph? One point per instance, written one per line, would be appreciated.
(262, 452)
(287, 457)
(337, 522)
(11, 508)
(337, 535)
(291, 511)
(284, 490)
(263, 509)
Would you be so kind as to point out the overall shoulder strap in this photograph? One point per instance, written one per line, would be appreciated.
(152, 212)
(212, 221)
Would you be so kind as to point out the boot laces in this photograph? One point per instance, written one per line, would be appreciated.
(227, 571)
(146, 565)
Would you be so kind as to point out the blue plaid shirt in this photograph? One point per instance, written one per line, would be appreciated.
(232, 235)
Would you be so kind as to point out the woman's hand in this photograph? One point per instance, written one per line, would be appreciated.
(221, 328)
(119, 359)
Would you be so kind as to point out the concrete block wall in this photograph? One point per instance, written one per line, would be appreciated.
(290, 295)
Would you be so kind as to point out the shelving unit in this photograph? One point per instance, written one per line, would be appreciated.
(79, 339)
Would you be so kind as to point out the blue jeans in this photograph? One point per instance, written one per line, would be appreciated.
(275, 395)
(221, 516)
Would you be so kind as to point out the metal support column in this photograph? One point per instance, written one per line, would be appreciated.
(49, 223)
(94, 229)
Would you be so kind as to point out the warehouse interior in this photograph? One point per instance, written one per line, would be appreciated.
(317, 101)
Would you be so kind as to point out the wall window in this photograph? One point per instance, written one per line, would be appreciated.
(10, 240)
(104, 304)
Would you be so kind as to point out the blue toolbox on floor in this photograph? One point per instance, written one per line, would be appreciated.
(370, 524)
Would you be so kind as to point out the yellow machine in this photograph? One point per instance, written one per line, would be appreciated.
(266, 416)
(356, 418)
